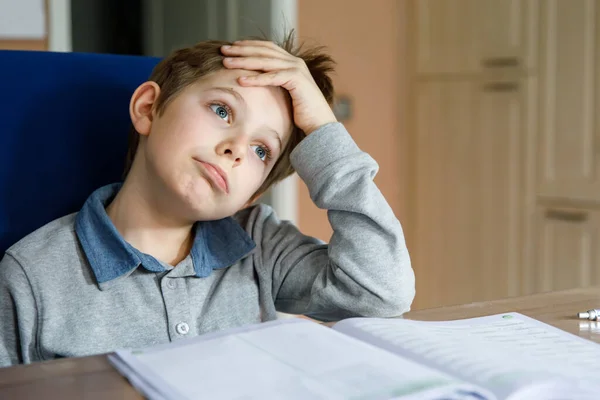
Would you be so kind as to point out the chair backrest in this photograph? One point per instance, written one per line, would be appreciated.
(64, 122)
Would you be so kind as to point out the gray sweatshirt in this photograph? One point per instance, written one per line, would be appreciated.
(74, 287)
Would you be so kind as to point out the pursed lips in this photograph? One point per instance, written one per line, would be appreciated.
(216, 175)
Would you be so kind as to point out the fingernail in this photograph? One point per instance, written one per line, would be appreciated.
(226, 47)
(228, 59)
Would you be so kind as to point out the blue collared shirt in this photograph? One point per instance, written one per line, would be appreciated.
(217, 244)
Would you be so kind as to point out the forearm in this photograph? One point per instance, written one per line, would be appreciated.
(366, 269)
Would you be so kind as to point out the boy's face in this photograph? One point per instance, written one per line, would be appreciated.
(215, 144)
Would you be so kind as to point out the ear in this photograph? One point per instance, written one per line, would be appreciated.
(141, 106)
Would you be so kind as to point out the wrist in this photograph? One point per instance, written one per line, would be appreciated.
(315, 125)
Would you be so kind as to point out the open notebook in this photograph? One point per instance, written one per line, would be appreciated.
(504, 356)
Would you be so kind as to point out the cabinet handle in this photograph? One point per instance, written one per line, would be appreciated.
(567, 216)
(501, 87)
(500, 62)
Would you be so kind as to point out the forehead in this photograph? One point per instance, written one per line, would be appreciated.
(267, 105)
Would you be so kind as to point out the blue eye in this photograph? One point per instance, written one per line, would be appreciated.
(221, 111)
(262, 152)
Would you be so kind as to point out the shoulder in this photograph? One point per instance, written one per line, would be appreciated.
(251, 215)
(260, 217)
(49, 243)
(262, 223)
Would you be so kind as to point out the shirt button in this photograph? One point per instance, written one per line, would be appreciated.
(182, 328)
(171, 284)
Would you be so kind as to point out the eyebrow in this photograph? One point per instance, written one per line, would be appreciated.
(241, 100)
(274, 133)
(231, 92)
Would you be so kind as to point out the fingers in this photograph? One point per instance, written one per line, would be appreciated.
(254, 51)
(261, 43)
(257, 63)
(280, 68)
(283, 78)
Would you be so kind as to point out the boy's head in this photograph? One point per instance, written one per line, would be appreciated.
(204, 145)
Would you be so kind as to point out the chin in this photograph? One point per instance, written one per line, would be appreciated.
(202, 209)
(203, 203)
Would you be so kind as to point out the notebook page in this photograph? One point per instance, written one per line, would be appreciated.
(502, 352)
(288, 360)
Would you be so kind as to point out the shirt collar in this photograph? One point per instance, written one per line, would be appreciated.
(217, 244)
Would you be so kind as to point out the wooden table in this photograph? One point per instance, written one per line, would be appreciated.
(93, 377)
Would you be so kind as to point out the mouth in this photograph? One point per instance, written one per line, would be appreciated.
(216, 175)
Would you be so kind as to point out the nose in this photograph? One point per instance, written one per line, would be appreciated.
(234, 149)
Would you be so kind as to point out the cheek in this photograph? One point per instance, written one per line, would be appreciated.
(182, 138)
(254, 174)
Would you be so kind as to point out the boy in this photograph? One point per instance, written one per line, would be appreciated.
(176, 250)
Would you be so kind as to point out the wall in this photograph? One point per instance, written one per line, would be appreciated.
(170, 25)
(107, 26)
(59, 33)
(23, 25)
(367, 41)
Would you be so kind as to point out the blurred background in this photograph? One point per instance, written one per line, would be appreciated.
(480, 113)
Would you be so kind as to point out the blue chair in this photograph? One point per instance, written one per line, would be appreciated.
(64, 123)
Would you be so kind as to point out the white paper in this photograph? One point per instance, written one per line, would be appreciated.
(22, 19)
(504, 352)
(291, 360)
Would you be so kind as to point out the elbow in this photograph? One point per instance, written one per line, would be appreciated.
(398, 303)
(391, 300)
(394, 302)
(397, 292)
(396, 296)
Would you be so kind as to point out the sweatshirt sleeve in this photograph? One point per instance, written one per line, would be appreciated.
(17, 315)
(365, 269)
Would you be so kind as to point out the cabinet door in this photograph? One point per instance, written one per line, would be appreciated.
(473, 36)
(502, 122)
(469, 190)
(506, 35)
(568, 146)
(567, 249)
(444, 36)
(445, 229)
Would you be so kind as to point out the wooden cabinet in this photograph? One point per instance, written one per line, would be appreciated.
(471, 143)
(444, 31)
(506, 34)
(566, 222)
(506, 149)
(569, 145)
(472, 36)
(502, 120)
(444, 226)
(567, 249)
